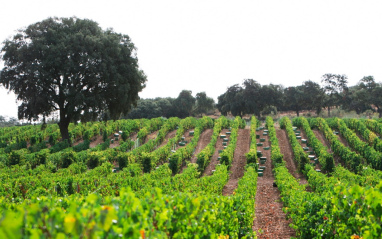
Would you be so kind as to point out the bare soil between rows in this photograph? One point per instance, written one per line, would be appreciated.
(286, 150)
(239, 161)
(270, 220)
(320, 136)
(204, 140)
(214, 159)
(187, 138)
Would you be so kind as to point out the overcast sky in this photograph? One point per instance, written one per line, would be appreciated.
(211, 45)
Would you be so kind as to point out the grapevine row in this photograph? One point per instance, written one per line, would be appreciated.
(326, 159)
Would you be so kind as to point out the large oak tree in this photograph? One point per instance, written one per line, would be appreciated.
(335, 87)
(72, 66)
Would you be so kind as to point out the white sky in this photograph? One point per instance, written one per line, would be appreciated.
(210, 45)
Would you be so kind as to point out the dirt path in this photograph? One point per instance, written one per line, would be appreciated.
(204, 140)
(270, 221)
(133, 136)
(286, 150)
(98, 140)
(343, 140)
(168, 136)
(187, 138)
(153, 135)
(214, 160)
(324, 141)
(239, 161)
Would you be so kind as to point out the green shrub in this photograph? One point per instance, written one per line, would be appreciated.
(37, 147)
(33, 140)
(82, 146)
(146, 162)
(133, 169)
(104, 136)
(124, 136)
(67, 158)
(251, 156)
(52, 139)
(59, 146)
(15, 158)
(77, 168)
(93, 160)
(123, 160)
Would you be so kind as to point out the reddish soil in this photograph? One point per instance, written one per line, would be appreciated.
(98, 140)
(168, 136)
(239, 161)
(214, 159)
(343, 140)
(133, 136)
(360, 136)
(286, 150)
(204, 140)
(187, 138)
(77, 141)
(115, 143)
(270, 221)
(95, 141)
(324, 141)
(153, 135)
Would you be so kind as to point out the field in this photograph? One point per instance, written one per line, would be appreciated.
(193, 178)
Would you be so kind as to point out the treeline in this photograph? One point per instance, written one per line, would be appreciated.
(183, 106)
(12, 121)
(254, 98)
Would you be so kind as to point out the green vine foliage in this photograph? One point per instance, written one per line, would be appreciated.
(326, 159)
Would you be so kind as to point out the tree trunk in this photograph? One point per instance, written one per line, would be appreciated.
(318, 111)
(298, 113)
(64, 125)
(328, 111)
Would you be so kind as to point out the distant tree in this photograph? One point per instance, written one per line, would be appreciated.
(368, 83)
(232, 101)
(72, 66)
(294, 99)
(357, 99)
(313, 97)
(146, 108)
(13, 121)
(238, 104)
(222, 104)
(203, 103)
(166, 106)
(272, 96)
(335, 85)
(374, 92)
(184, 103)
(252, 97)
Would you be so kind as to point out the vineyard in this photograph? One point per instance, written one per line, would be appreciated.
(193, 178)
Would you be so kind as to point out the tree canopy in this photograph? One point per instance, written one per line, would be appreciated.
(184, 103)
(334, 86)
(203, 103)
(72, 66)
